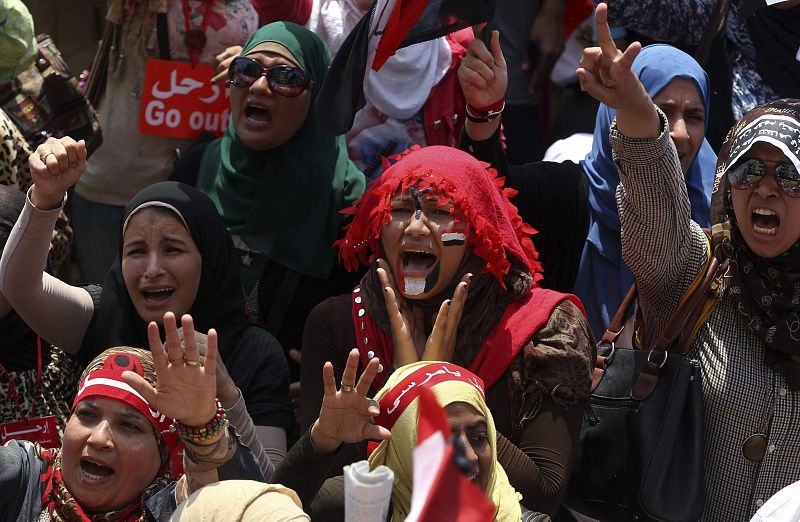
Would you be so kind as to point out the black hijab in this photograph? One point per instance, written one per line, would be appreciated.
(766, 291)
(219, 303)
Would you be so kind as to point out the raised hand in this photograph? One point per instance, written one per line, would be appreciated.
(483, 74)
(346, 415)
(408, 327)
(605, 73)
(55, 166)
(185, 386)
(222, 62)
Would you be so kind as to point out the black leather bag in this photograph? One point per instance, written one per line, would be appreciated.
(641, 450)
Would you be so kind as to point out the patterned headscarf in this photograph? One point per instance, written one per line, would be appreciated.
(103, 377)
(449, 383)
(766, 291)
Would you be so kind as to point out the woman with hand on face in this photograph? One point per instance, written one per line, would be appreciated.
(116, 461)
(174, 256)
(347, 416)
(748, 348)
(452, 277)
(276, 181)
(572, 205)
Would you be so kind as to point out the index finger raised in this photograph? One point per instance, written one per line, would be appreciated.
(604, 39)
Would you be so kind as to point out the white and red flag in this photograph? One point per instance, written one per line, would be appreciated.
(441, 492)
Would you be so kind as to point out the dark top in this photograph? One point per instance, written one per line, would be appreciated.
(554, 199)
(281, 316)
(255, 363)
(538, 462)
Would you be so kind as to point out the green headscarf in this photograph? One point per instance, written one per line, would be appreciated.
(17, 40)
(285, 201)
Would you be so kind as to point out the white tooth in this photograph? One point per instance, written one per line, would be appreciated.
(768, 231)
(764, 212)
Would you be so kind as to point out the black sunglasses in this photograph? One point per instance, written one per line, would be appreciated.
(285, 80)
(747, 173)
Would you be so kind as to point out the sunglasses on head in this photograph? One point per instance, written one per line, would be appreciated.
(747, 173)
(285, 80)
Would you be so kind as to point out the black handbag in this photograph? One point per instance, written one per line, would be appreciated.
(641, 449)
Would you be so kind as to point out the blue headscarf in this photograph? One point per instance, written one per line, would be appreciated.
(603, 279)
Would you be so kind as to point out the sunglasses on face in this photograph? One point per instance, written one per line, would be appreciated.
(749, 172)
(285, 80)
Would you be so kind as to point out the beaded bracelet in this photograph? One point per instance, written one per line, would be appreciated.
(200, 435)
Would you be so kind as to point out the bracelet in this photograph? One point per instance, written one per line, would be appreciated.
(202, 434)
(485, 114)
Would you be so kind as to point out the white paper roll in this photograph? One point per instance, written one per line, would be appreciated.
(367, 494)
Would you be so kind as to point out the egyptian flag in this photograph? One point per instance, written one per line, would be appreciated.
(390, 25)
(442, 493)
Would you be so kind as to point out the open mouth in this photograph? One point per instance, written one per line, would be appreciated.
(417, 263)
(765, 221)
(94, 471)
(158, 295)
(258, 113)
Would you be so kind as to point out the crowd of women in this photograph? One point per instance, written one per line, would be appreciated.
(177, 377)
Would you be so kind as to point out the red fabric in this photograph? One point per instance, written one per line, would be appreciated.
(297, 11)
(404, 16)
(444, 112)
(394, 403)
(495, 231)
(494, 228)
(523, 318)
(450, 489)
(107, 382)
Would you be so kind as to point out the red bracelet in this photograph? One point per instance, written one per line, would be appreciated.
(497, 106)
(485, 114)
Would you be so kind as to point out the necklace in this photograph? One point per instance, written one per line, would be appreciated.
(195, 39)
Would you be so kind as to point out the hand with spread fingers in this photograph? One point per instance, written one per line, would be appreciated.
(346, 415)
(605, 73)
(186, 387)
(410, 343)
(223, 61)
(55, 167)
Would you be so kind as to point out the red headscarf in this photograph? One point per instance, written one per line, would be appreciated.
(494, 232)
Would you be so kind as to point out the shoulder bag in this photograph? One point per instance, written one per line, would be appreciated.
(641, 449)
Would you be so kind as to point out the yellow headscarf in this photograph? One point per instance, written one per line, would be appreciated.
(397, 453)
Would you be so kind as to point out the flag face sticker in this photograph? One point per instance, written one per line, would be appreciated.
(450, 238)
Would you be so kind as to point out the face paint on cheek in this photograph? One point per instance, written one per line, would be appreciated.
(451, 238)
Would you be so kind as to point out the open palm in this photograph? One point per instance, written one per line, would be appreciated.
(185, 387)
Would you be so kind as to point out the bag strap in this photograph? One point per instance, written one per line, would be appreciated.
(689, 312)
(99, 69)
(715, 24)
(690, 309)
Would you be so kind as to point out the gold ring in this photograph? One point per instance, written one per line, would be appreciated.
(43, 155)
(347, 388)
(193, 364)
